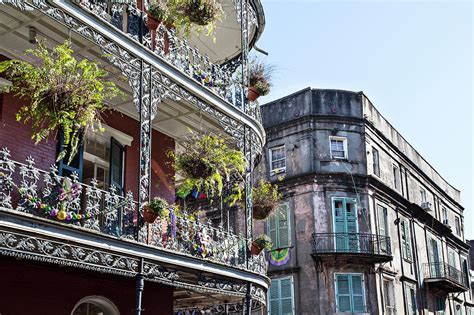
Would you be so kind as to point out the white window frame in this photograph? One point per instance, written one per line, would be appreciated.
(423, 195)
(389, 309)
(397, 177)
(375, 163)
(407, 252)
(408, 288)
(344, 146)
(363, 288)
(270, 159)
(279, 294)
(100, 301)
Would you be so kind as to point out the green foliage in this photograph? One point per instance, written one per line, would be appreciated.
(265, 198)
(59, 93)
(158, 206)
(264, 241)
(260, 76)
(206, 163)
(188, 15)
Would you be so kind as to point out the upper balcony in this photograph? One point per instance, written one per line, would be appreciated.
(368, 248)
(443, 276)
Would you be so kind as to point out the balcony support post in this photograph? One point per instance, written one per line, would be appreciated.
(139, 287)
(247, 310)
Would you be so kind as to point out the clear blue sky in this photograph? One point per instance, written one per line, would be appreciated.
(412, 59)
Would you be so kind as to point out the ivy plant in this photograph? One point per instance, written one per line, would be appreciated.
(59, 92)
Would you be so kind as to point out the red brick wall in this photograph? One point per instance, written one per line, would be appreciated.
(33, 289)
(17, 137)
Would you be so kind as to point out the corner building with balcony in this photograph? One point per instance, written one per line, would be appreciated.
(113, 262)
(366, 225)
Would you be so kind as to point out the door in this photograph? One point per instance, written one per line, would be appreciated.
(345, 225)
(383, 229)
(116, 166)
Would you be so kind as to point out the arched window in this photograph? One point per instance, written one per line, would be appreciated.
(95, 305)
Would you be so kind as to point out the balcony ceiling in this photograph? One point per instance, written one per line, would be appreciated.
(227, 35)
(174, 118)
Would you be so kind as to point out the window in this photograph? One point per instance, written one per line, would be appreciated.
(396, 176)
(411, 300)
(375, 162)
(444, 216)
(457, 226)
(389, 297)
(345, 224)
(338, 147)
(277, 160)
(383, 227)
(278, 226)
(440, 305)
(406, 240)
(281, 297)
(422, 195)
(350, 293)
(434, 257)
(95, 305)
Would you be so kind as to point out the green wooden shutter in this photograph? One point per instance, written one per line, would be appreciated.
(286, 296)
(343, 293)
(406, 242)
(339, 225)
(283, 226)
(272, 229)
(351, 225)
(274, 308)
(116, 165)
(357, 294)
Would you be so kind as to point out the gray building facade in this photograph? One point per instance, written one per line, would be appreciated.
(367, 225)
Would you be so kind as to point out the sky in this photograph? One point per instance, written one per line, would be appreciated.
(413, 59)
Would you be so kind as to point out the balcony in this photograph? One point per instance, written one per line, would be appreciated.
(443, 276)
(368, 248)
(50, 199)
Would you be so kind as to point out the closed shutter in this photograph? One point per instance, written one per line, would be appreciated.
(75, 166)
(343, 293)
(116, 165)
(339, 225)
(281, 297)
(286, 298)
(274, 308)
(357, 294)
(283, 226)
(272, 229)
(351, 226)
(383, 228)
(406, 240)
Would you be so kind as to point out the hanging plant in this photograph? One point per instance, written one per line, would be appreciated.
(157, 207)
(160, 11)
(206, 163)
(260, 243)
(60, 92)
(265, 199)
(260, 76)
(196, 14)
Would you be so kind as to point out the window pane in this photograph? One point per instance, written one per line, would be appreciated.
(357, 285)
(343, 284)
(358, 304)
(286, 306)
(344, 303)
(285, 288)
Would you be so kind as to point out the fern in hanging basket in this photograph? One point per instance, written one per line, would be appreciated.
(206, 163)
(265, 199)
(198, 14)
(60, 92)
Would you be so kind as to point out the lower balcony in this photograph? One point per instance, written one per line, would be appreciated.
(445, 277)
(368, 248)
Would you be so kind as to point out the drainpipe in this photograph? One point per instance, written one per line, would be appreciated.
(401, 257)
(139, 285)
(416, 264)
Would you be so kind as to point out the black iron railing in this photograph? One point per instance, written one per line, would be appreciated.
(351, 243)
(444, 271)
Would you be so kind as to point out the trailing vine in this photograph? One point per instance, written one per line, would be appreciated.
(59, 92)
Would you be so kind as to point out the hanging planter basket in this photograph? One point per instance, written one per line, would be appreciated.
(255, 249)
(261, 212)
(252, 94)
(148, 215)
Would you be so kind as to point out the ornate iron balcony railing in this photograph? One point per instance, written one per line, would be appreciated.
(26, 189)
(352, 244)
(441, 271)
(224, 80)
